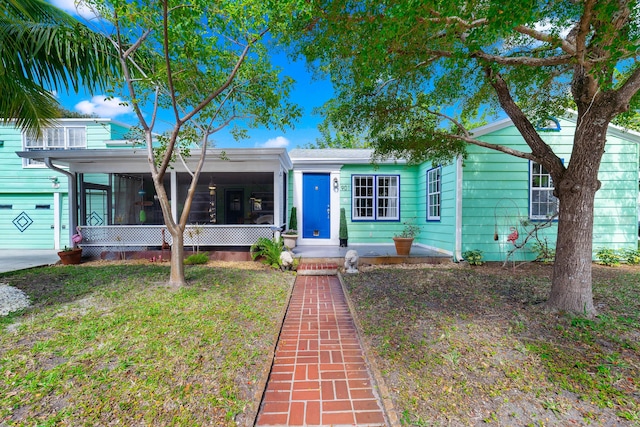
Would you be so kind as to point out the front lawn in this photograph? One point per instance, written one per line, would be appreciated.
(109, 344)
(474, 346)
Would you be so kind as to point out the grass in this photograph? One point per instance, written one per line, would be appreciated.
(474, 345)
(109, 344)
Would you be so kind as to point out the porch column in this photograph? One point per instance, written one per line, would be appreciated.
(277, 197)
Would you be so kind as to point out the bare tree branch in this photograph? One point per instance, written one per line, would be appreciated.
(496, 147)
(540, 150)
(524, 60)
(136, 45)
(628, 90)
(543, 37)
(457, 124)
(583, 29)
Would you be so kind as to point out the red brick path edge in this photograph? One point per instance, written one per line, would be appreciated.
(319, 376)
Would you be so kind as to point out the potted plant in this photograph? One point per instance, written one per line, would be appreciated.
(72, 255)
(343, 233)
(404, 239)
(291, 234)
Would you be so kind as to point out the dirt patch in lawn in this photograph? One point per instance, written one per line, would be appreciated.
(460, 345)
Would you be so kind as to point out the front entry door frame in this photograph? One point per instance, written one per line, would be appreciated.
(333, 172)
(316, 202)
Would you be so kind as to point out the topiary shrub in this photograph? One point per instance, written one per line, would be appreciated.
(293, 219)
(343, 233)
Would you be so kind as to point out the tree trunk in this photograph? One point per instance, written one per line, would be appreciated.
(176, 278)
(571, 288)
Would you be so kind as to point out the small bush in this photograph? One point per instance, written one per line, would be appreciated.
(608, 257)
(473, 257)
(199, 258)
(632, 256)
(269, 250)
(544, 252)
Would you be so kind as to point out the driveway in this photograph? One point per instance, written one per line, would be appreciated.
(20, 259)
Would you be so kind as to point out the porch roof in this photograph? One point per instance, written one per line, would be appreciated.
(134, 160)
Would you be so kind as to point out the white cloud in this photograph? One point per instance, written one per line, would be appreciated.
(277, 142)
(74, 7)
(102, 107)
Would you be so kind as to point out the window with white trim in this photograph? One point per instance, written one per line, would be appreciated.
(434, 193)
(542, 203)
(57, 138)
(375, 197)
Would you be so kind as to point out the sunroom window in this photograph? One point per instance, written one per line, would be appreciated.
(58, 138)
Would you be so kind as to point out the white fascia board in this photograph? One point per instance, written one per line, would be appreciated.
(491, 127)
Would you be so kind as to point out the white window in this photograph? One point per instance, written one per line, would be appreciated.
(58, 138)
(434, 193)
(542, 203)
(375, 197)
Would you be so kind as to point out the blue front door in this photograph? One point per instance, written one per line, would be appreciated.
(315, 205)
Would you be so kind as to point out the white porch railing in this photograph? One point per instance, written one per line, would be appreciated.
(120, 238)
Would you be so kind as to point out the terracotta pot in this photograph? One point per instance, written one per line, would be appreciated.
(74, 256)
(403, 245)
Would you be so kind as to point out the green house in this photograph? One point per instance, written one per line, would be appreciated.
(489, 201)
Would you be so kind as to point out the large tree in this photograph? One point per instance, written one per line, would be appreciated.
(42, 49)
(200, 65)
(399, 67)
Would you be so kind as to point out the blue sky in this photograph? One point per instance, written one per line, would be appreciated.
(308, 94)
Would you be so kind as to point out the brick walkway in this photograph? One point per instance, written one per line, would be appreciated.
(319, 376)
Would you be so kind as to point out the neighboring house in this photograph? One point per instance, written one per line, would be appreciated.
(479, 203)
(33, 198)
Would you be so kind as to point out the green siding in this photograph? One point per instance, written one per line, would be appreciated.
(371, 232)
(496, 194)
(439, 234)
(29, 211)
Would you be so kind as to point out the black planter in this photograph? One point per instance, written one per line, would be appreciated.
(343, 243)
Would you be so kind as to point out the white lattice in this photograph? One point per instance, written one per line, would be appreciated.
(115, 238)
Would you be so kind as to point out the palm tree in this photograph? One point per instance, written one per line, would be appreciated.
(43, 48)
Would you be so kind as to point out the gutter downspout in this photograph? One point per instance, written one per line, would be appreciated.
(73, 195)
(457, 252)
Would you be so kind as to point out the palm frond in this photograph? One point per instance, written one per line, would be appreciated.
(43, 48)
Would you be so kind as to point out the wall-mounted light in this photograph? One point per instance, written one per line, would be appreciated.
(55, 183)
(336, 185)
